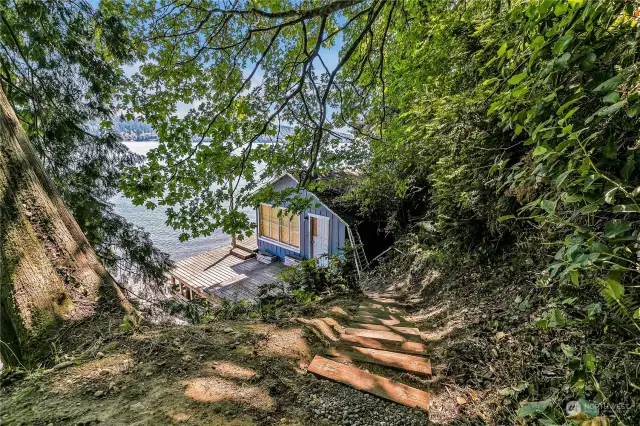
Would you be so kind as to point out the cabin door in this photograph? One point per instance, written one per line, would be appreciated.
(320, 239)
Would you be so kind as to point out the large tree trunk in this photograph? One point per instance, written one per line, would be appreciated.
(49, 274)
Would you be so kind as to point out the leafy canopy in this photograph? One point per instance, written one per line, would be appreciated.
(60, 69)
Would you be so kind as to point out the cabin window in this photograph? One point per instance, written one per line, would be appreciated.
(284, 229)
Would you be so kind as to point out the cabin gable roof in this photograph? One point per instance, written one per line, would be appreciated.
(287, 180)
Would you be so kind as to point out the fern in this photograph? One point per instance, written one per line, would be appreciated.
(621, 305)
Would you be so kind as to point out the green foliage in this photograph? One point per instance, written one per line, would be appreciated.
(60, 68)
(131, 322)
(309, 277)
(573, 171)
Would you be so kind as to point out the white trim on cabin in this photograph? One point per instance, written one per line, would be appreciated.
(326, 218)
(314, 195)
(279, 244)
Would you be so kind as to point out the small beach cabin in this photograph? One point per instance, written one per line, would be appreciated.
(238, 273)
(317, 232)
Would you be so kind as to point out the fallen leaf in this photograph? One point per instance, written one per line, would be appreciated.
(461, 400)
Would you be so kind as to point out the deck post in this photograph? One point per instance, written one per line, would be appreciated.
(231, 209)
(190, 294)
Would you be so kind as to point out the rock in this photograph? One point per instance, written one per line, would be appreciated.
(100, 355)
(98, 394)
(228, 330)
(136, 407)
(500, 335)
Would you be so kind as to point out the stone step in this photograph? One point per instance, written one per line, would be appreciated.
(242, 253)
(371, 383)
(415, 348)
(411, 363)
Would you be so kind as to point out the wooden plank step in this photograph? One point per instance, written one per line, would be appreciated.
(412, 363)
(384, 302)
(242, 254)
(387, 336)
(374, 320)
(363, 310)
(410, 331)
(407, 336)
(378, 327)
(371, 383)
(415, 348)
(384, 315)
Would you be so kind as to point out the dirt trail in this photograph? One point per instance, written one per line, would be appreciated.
(225, 373)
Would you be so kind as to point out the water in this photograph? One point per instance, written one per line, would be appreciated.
(164, 237)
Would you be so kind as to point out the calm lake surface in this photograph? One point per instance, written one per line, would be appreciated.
(154, 221)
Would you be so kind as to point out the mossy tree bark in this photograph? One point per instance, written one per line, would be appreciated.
(49, 274)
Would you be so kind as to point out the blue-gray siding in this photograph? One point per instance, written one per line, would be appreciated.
(337, 228)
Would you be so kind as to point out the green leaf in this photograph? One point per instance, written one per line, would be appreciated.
(610, 84)
(561, 44)
(548, 206)
(609, 149)
(612, 290)
(540, 150)
(567, 350)
(537, 42)
(616, 227)
(502, 49)
(561, 8)
(611, 109)
(589, 362)
(594, 310)
(628, 168)
(517, 78)
(530, 408)
(507, 217)
(574, 277)
(588, 62)
(626, 208)
(611, 98)
(545, 6)
(562, 177)
(610, 195)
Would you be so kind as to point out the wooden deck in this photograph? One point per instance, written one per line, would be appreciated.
(219, 274)
(249, 243)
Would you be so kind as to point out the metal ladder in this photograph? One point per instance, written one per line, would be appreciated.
(360, 257)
